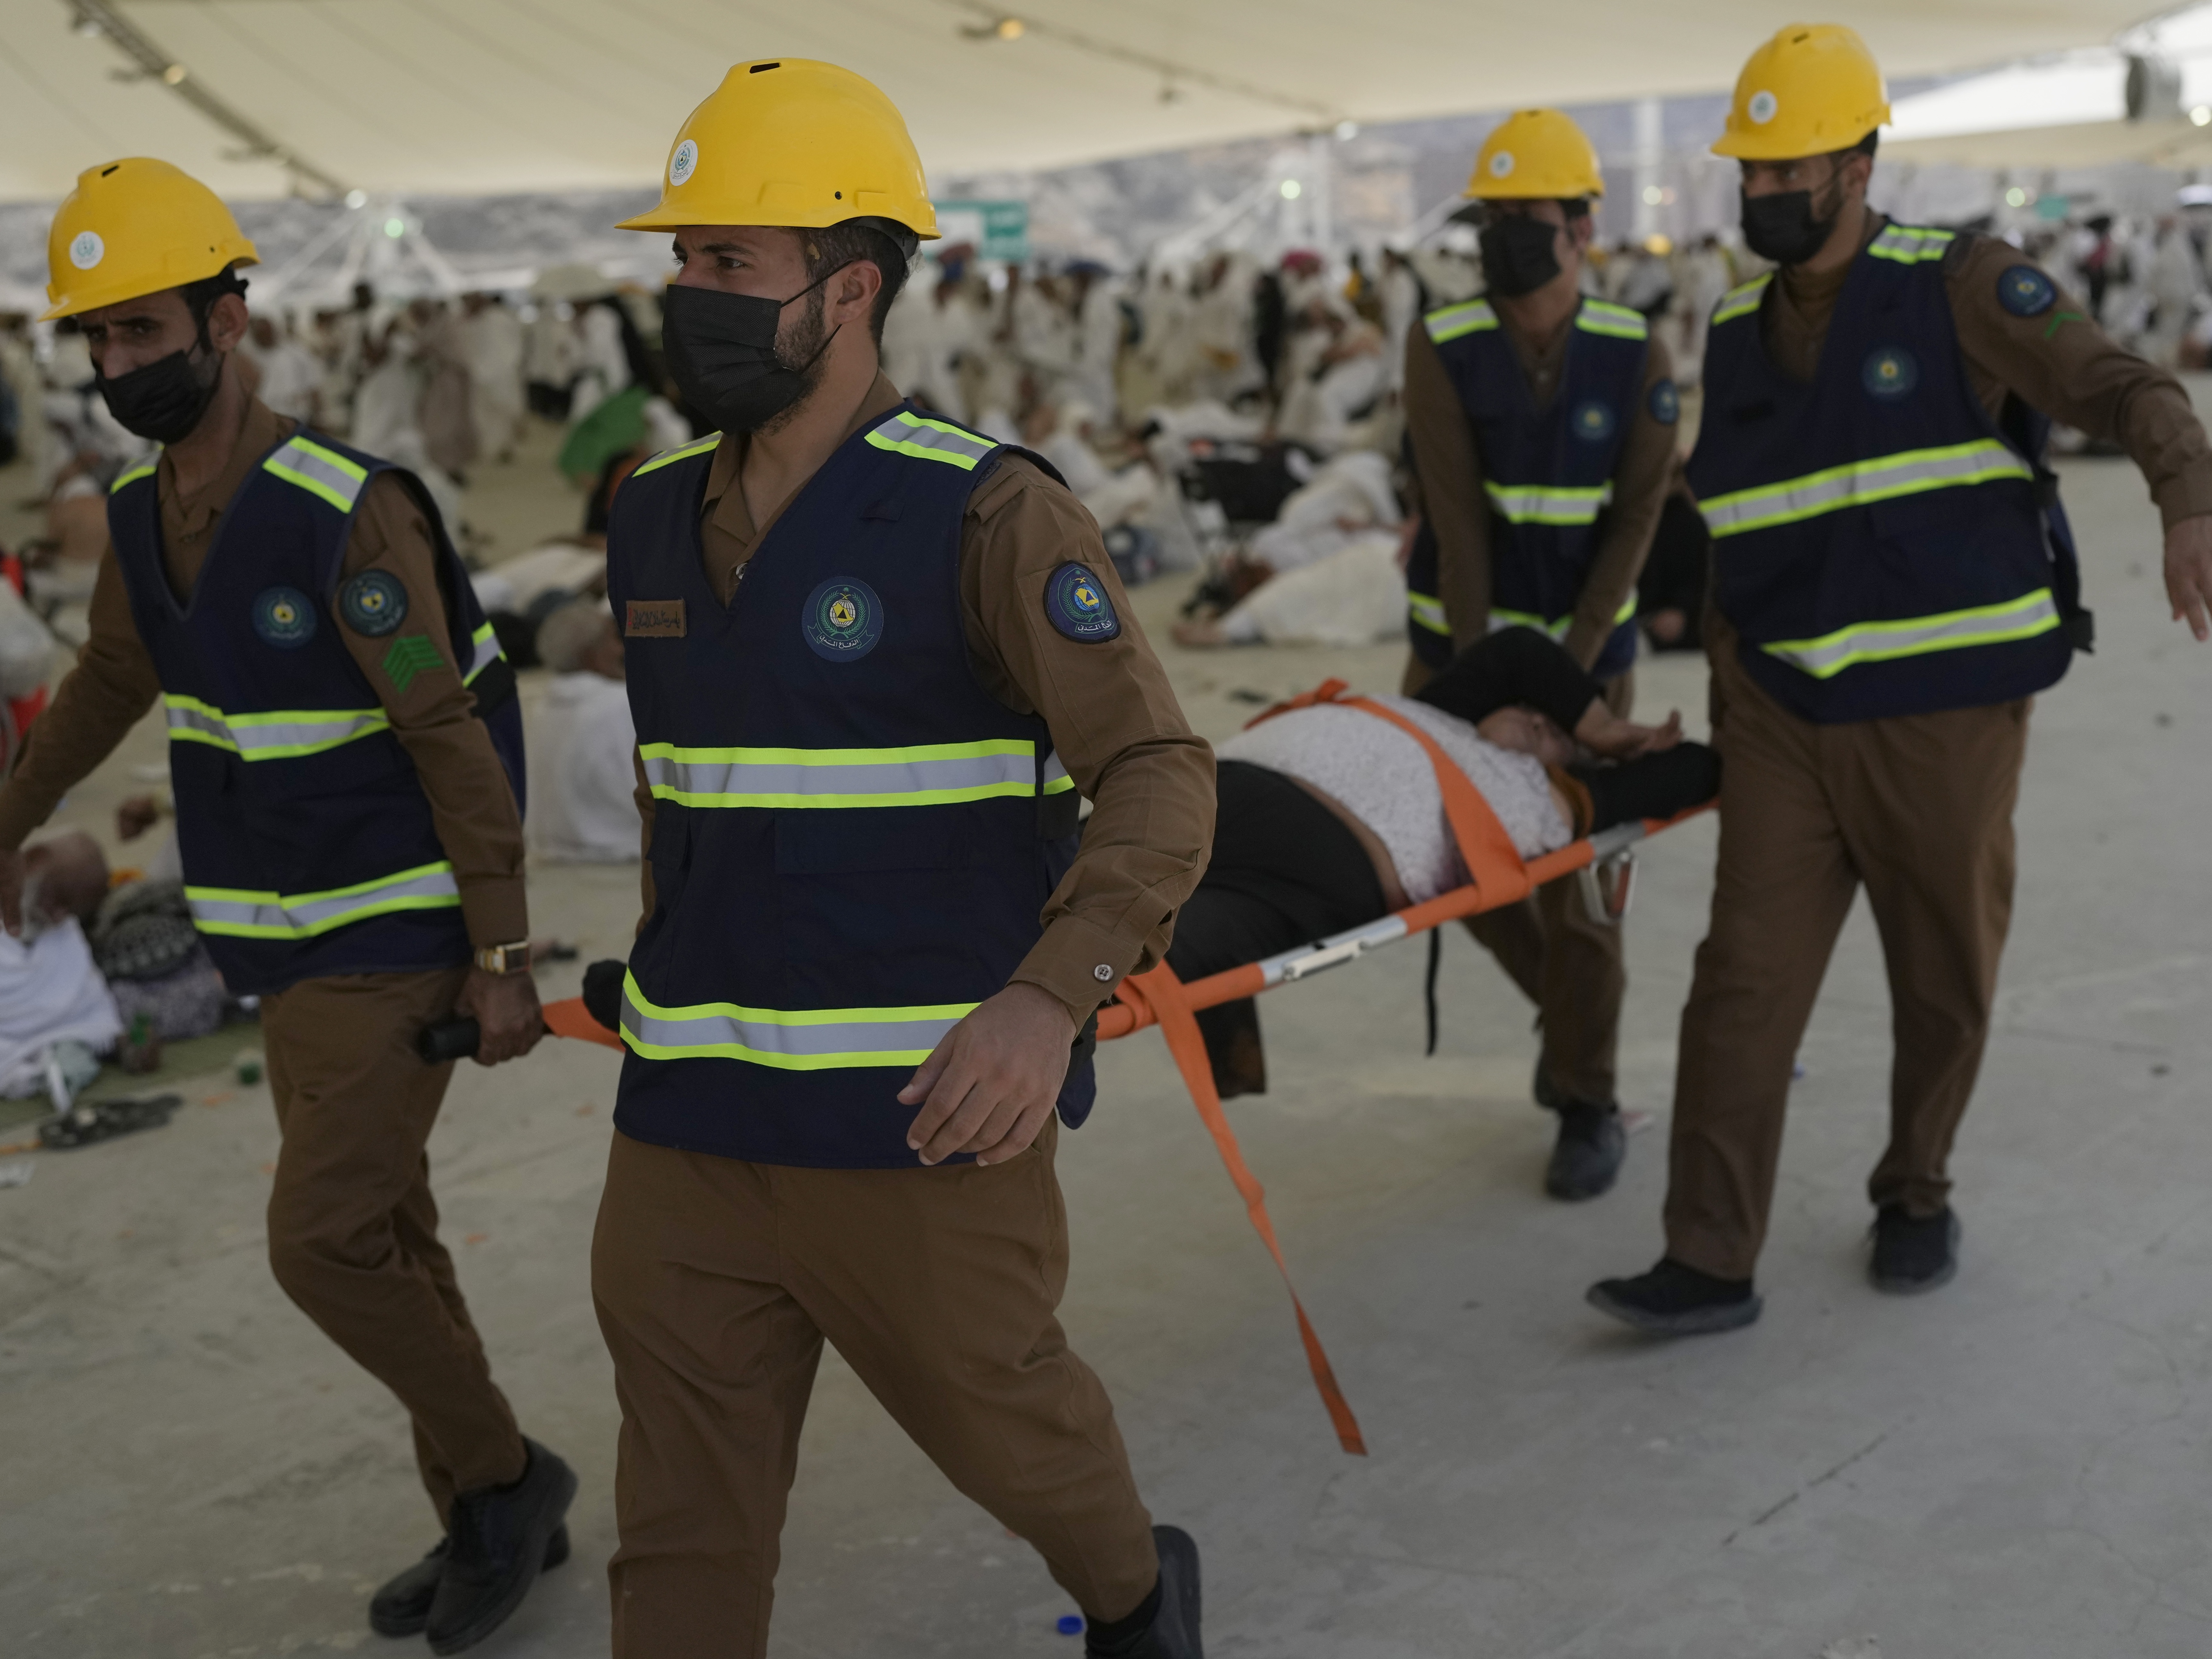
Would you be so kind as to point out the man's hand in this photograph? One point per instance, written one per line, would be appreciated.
(506, 1011)
(11, 891)
(136, 815)
(2189, 574)
(988, 1086)
(1604, 733)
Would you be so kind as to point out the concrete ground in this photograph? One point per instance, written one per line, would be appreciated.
(2017, 1465)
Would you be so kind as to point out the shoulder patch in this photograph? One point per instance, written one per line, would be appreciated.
(1665, 403)
(2026, 292)
(1075, 602)
(373, 604)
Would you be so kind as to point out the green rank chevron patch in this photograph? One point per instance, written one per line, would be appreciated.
(410, 654)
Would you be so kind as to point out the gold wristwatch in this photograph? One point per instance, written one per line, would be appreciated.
(505, 958)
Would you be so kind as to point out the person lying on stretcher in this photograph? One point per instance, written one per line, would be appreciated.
(1329, 817)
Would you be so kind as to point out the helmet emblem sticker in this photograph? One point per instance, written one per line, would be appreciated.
(1501, 165)
(373, 604)
(2026, 292)
(87, 250)
(284, 617)
(684, 162)
(1762, 107)
(1890, 372)
(842, 620)
(1593, 422)
(1075, 602)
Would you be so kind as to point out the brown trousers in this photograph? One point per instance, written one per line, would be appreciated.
(717, 1280)
(353, 1231)
(1569, 966)
(1918, 809)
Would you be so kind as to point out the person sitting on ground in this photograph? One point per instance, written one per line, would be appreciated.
(50, 993)
(1329, 817)
(581, 742)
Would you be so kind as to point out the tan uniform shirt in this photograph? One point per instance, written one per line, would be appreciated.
(1114, 719)
(433, 714)
(1458, 511)
(2058, 362)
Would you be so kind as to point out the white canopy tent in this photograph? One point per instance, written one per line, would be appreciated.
(265, 97)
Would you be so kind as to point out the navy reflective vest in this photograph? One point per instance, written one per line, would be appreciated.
(852, 840)
(1881, 546)
(1547, 472)
(307, 843)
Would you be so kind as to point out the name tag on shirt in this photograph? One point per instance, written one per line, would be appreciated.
(654, 619)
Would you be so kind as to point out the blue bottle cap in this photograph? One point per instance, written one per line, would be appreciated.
(1069, 1624)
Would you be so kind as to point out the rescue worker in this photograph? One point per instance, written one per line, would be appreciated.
(873, 659)
(1541, 426)
(1893, 581)
(345, 750)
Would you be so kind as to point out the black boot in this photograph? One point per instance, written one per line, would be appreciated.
(500, 1539)
(1913, 1254)
(1586, 1157)
(402, 1608)
(1166, 1626)
(1675, 1300)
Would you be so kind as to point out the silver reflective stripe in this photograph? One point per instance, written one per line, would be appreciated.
(1914, 636)
(1860, 483)
(1056, 779)
(1739, 301)
(242, 913)
(1600, 316)
(792, 1040)
(932, 775)
(319, 471)
(1452, 321)
(1543, 504)
(1427, 611)
(283, 734)
(1501, 618)
(1910, 246)
(484, 654)
(931, 440)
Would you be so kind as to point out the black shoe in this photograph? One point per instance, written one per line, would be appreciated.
(1586, 1157)
(500, 1539)
(1173, 1634)
(1672, 1300)
(402, 1608)
(1913, 1254)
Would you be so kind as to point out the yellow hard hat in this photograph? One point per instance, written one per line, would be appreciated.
(133, 227)
(789, 140)
(1812, 89)
(1535, 153)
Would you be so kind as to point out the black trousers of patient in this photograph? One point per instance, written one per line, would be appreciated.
(1285, 870)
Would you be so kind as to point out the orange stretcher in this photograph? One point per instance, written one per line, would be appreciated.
(1499, 877)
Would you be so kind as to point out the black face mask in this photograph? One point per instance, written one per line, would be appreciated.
(1517, 255)
(1784, 227)
(722, 354)
(164, 400)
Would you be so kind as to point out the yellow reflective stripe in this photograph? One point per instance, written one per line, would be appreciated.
(1861, 484)
(667, 457)
(1449, 322)
(1739, 301)
(921, 775)
(485, 651)
(1830, 654)
(1556, 627)
(319, 471)
(145, 470)
(1056, 779)
(247, 913)
(788, 1039)
(1547, 503)
(1910, 244)
(931, 440)
(277, 734)
(1602, 317)
(1427, 611)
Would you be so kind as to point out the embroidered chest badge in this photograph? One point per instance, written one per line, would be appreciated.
(1593, 422)
(1665, 403)
(284, 617)
(841, 620)
(373, 604)
(1890, 372)
(1075, 602)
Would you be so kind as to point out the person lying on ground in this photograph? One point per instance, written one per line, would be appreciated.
(1329, 818)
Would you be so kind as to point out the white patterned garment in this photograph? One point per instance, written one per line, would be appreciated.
(1386, 780)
